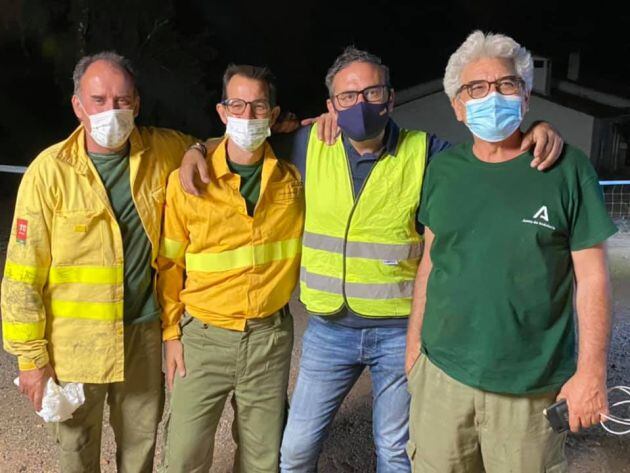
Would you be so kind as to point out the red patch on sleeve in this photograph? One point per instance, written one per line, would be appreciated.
(21, 230)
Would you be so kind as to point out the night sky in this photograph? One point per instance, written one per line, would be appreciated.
(180, 49)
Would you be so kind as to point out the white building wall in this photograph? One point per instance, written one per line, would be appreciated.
(433, 113)
(575, 127)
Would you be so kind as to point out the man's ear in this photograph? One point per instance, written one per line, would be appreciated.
(526, 99)
(330, 107)
(459, 108)
(222, 113)
(392, 99)
(77, 108)
(273, 116)
(136, 107)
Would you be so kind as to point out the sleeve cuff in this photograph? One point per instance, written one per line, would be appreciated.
(172, 332)
(596, 239)
(27, 364)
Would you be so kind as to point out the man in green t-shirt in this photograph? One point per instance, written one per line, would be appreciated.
(491, 338)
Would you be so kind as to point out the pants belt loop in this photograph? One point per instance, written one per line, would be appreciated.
(279, 316)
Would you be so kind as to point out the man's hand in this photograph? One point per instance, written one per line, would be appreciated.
(174, 361)
(587, 398)
(33, 383)
(193, 172)
(327, 129)
(548, 143)
(412, 353)
(286, 123)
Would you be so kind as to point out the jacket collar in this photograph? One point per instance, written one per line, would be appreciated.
(73, 153)
(218, 159)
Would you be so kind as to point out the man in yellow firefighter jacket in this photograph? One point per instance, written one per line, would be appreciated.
(78, 301)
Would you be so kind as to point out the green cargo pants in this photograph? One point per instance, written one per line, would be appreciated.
(135, 406)
(254, 366)
(454, 428)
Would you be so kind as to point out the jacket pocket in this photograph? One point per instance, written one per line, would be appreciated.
(286, 192)
(77, 237)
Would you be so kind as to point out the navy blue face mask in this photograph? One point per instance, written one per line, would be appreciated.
(364, 120)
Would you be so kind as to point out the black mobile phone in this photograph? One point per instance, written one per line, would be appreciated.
(558, 416)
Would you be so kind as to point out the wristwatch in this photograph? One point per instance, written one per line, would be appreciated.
(199, 146)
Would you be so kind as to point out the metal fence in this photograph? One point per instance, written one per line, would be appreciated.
(617, 199)
(616, 196)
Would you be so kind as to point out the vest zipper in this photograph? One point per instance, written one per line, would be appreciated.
(354, 206)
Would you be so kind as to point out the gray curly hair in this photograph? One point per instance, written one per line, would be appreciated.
(479, 45)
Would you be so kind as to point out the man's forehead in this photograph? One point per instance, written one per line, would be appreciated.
(239, 84)
(488, 68)
(359, 72)
(103, 75)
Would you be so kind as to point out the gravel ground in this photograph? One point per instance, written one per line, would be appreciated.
(26, 447)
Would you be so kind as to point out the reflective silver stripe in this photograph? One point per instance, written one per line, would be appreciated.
(383, 251)
(321, 283)
(402, 289)
(322, 242)
(398, 290)
(355, 249)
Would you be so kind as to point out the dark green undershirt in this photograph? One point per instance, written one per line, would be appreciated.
(140, 303)
(250, 182)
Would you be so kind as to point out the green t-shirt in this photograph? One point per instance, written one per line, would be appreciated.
(499, 310)
(250, 182)
(140, 302)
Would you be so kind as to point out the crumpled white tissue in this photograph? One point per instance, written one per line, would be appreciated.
(58, 402)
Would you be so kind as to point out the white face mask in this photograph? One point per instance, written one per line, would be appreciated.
(111, 128)
(247, 134)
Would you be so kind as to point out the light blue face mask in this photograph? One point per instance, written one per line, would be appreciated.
(494, 117)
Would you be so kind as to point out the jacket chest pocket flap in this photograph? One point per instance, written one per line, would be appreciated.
(286, 192)
(77, 237)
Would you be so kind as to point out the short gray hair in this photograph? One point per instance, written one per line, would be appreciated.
(350, 55)
(261, 74)
(481, 45)
(112, 57)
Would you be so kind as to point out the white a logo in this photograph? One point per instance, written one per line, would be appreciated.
(542, 214)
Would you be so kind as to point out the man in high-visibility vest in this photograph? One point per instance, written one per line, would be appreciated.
(78, 301)
(361, 249)
(228, 264)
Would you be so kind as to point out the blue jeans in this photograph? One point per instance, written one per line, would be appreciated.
(333, 357)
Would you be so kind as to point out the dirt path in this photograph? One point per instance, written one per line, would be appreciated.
(26, 447)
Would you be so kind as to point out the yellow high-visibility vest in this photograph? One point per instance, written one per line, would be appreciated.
(362, 250)
(62, 290)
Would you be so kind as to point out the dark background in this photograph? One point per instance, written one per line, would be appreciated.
(180, 49)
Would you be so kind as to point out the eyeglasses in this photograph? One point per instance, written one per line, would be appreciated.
(478, 89)
(260, 107)
(373, 94)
